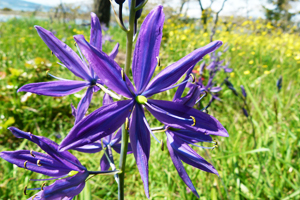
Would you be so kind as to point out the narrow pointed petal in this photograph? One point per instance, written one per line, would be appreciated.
(100, 123)
(54, 88)
(117, 148)
(96, 32)
(191, 98)
(190, 136)
(215, 89)
(107, 99)
(74, 111)
(188, 155)
(181, 88)
(65, 54)
(68, 187)
(140, 143)
(147, 48)
(90, 148)
(117, 137)
(109, 72)
(104, 163)
(49, 166)
(180, 169)
(50, 148)
(180, 116)
(171, 74)
(84, 104)
(114, 52)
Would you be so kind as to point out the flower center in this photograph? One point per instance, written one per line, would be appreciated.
(141, 99)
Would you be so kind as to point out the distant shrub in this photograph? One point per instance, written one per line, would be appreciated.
(7, 9)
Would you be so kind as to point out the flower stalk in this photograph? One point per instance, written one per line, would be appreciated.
(125, 134)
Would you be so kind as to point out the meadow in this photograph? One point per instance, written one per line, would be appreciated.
(259, 159)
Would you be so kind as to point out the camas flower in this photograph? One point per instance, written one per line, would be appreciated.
(107, 119)
(178, 140)
(55, 164)
(75, 64)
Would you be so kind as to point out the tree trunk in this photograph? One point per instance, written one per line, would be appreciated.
(102, 10)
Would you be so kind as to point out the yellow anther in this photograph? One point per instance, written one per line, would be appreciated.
(123, 75)
(162, 146)
(127, 124)
(52, 53)
(216, 143)
(43, 185)
(194, 120)
(38, 163)
(158, 61)
(75, 44)
(34, 196)
(25, 163)
(193, 77)
(47, 72)
(32, 153)
(24, 191)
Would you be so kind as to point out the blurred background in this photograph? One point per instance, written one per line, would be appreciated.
(261, 51)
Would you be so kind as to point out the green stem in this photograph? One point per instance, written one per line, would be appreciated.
(125, 135)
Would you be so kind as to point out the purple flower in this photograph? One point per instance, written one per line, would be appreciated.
(107, 119)
(108, 143)
(75, 64)
(279, 83)
(243, 91)
(178, 141)
(54, 163)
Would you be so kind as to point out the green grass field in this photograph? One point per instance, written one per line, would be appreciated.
(268, 170)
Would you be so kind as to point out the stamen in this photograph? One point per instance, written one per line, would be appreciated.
(204, 95)
(32, 154)
(75, 44)
(162, 146)
(43, 186)
(52, 53)
(194, 120)
(34, 196)
(127, 124)
(38, 163)
(123, 75)
(24, 191)
(25, 163)
(158, 61)
(193, 77)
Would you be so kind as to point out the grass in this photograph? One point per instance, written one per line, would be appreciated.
(269, 170)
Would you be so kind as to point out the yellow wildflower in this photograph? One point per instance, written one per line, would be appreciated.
(247, 72)
(251, 62)
(267, 72)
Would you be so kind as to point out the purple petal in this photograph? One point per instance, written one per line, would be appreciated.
(50, 148)
(188, 155)
(74, 111)
(49, 166)
(96, 33)
(147, 48)
(100, 123)
(140, 143)
(180, 169)
(172, 73)
(181, 88)
(104, 163)
(191, 98)
(65, 54)
(117, 137)
(68, 187)
(84, 104)
(106, 68)
(90, 148)
(117, 148)
(114, 52)
(180, 116)
(107, 99)
(190, 136)
(54, 88)
(243, 91)
(215, 89)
